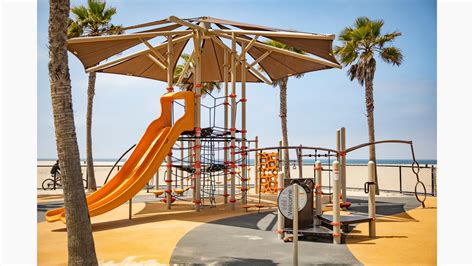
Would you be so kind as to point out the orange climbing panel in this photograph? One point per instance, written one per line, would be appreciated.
(268, 172)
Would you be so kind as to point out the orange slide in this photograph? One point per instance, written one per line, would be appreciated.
(143, 163)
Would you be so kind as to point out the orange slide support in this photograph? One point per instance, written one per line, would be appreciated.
(143, 163)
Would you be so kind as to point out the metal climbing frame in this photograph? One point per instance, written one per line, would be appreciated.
(420, 195)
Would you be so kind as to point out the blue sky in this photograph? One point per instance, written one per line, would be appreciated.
(318, 103)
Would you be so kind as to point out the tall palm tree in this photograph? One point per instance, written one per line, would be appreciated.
(81, 250)
(360, 44)
(207, 87)
(282, 84)
(91, 20)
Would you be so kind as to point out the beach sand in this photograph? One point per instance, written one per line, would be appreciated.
(389, 176)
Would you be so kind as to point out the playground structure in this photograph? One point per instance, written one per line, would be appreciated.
(211, 60)
(208, 161)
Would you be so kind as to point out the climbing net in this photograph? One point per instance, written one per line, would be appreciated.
(214, 165)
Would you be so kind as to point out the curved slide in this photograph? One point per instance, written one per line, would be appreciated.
(143, 163)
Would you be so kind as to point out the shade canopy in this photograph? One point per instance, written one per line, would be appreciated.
(263, 62)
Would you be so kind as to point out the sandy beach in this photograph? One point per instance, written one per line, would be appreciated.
(389, 176)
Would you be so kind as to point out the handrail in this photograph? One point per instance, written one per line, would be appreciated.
(290, 147)
(115, 164)
(377, 142)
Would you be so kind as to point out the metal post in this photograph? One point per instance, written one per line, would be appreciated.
(299, 154)
(130, 209)
(197, 122)
(343, 165)
(157, 178)
(338, 158)
(371, 168)
(233, 115)
(400, 178)
(280, 159)
(433, 182)
(319, 193)
(281, 219)
(169, 159)
(226, 121)
(182, 162)
(336, 210)
(295, 224)
(256, 167)
(243, 100)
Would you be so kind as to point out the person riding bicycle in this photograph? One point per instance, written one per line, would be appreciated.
(55, 170)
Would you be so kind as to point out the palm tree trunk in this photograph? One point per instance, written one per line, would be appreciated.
(369, 103)
(91, 183)
(81, 250)
(284, 126)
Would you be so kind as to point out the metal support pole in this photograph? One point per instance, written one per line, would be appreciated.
(299, 153)
(233, 115)
(181, 182)
(191, 162)
(197, 122)
(157, 178)
(343, 165)
(243, 99)
(371, 168)
(169, 159)
(400, 178)
(433, 182)
(338, 158)
(256, 167)
(226, 121)
(281, 219)
(319, 192)
(295, 224)
(130, 209)
(280, 159)
(336, 210)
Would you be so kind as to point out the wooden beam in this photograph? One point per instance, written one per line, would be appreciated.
(118, 60)
(247, 47)
(156, 61)
(169, 77)
(286, 52)
(250, 68)
(263, 56)
(154, 51)
(126, 36)
(185, 69)
(258, 74)
(287, 34)
(186, 23)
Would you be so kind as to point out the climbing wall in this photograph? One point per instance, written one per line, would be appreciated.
(268, 172)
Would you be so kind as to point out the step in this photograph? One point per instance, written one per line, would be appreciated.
(345, 220)
(315, 232)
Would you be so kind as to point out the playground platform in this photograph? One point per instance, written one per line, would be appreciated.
(406, 234)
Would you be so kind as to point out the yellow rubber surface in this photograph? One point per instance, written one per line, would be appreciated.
(150, 237)
(405, 238)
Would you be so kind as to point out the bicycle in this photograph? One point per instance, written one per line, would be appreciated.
(55, 182)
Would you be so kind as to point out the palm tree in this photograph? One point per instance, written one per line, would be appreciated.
(360, 44)
(207, 87)
(282, 84)
(81, 250)
(93, 20)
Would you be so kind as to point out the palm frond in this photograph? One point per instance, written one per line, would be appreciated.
(361, 22)
(94, 20)
(392, 55)
(360, 45)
